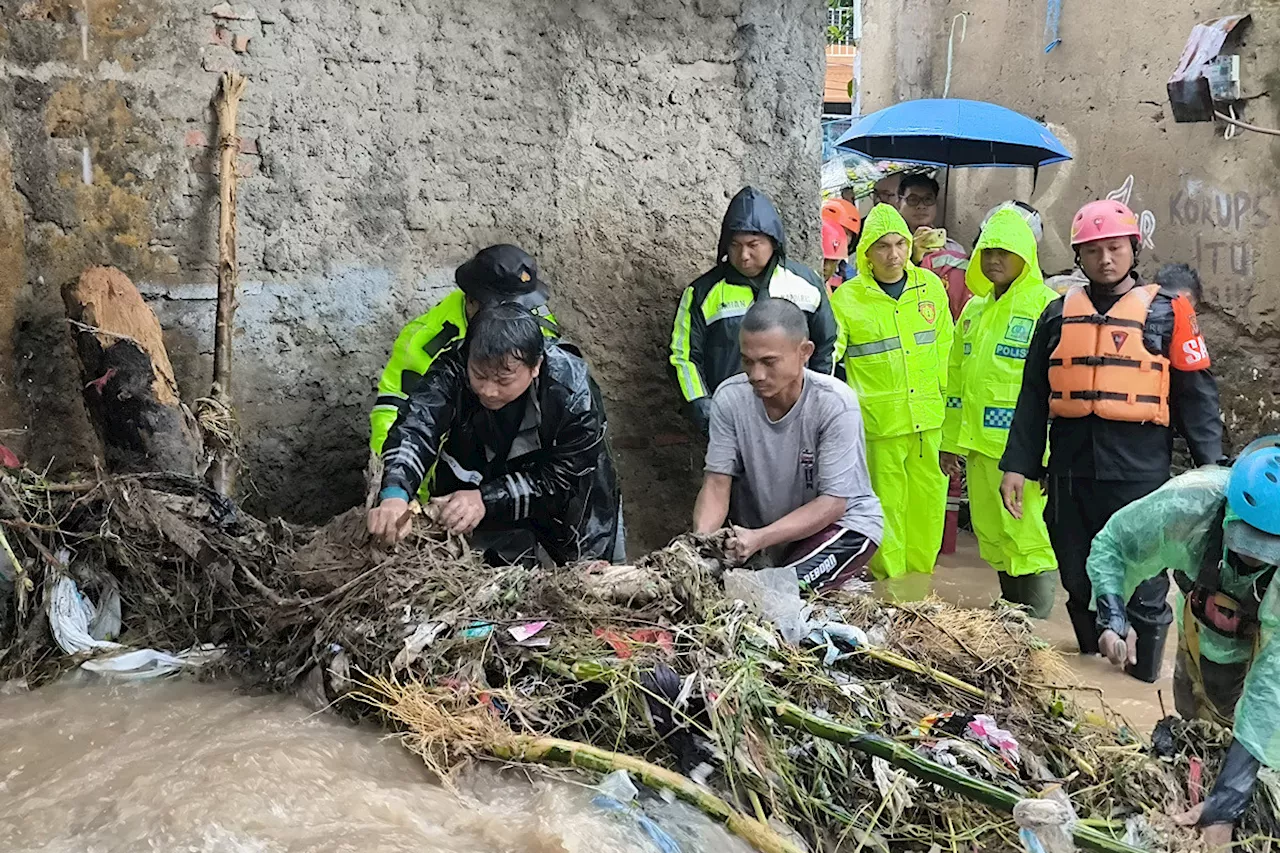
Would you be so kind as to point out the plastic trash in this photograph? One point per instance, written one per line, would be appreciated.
(79, 627)
(477, 630)
(141, 664)
(422, 636)
(71, 615)
(618, 785)
(983, 729)
(895, 787)
(835, 636)
(1044, 826)
(521, 633)
(776, 593)
(664, 842)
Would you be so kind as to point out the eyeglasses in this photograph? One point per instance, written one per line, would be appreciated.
(920, 200)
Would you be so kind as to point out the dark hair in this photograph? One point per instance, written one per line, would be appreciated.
(502, 331)
(771, 313)
(1181, 278)
(917, 181)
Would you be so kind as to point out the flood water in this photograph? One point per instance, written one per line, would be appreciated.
(179, 766)
(962, 578)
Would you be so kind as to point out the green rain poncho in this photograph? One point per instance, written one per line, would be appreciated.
(1177, 527)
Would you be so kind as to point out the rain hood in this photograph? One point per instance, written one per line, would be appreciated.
(751, 211)
(1009, 231)
(882, 220)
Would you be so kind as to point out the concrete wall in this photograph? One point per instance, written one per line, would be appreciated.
(1208, 201)
(384, 141)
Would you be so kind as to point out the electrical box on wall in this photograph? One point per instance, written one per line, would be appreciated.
(1206, 76)
(1223, 74)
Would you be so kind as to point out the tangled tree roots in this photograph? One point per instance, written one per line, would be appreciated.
(644, 666)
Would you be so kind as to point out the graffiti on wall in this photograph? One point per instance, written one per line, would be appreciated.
(1222, 226)
(1146, 219)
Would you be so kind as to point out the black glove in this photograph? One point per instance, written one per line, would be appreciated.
(1112, 615)
(700, 414)
(1233, 789)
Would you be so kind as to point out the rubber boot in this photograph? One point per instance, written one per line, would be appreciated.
(1085, 624)
(1034, 592)
(1151, 640)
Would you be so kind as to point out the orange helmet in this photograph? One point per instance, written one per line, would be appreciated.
(835, 242)
(843, 213)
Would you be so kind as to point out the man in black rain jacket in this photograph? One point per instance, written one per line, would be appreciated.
(751, 264)
(511, 429)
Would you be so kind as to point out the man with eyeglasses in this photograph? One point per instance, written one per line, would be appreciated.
(932, 249)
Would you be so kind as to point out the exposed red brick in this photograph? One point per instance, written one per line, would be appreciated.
(240, 44)
(195, 139)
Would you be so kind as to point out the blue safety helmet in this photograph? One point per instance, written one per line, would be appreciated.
(1253, 501)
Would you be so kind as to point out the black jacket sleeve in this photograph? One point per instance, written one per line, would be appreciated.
(1194, 409)
(823, 330)
(413, 444)
(551, 479)
(1024, 452)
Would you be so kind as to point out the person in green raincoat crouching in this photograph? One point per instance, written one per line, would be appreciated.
(987, 357)
(1218, 530)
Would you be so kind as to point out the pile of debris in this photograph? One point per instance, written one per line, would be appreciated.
(837, 723)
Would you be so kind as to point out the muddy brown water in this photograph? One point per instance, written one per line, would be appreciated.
(962, 578)
(179, 766)
(200, 768)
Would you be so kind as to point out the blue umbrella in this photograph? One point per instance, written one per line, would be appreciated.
(954, 132)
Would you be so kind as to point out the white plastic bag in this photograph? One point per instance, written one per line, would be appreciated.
(79, 627)
(70, 617)
(776, 592)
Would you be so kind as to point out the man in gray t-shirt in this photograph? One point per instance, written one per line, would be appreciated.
(787, 458)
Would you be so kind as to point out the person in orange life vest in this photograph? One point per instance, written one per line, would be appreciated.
(835, 254)
(846, 215)
(1118, 373)
(931, 248)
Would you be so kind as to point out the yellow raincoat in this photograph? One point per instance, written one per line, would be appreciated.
(987, 358)
(895, 358)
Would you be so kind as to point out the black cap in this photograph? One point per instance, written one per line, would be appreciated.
(502, 273)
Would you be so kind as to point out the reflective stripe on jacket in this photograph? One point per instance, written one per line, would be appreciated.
(991, 343)
(1101, 365)
(895, 350)
(704, 337)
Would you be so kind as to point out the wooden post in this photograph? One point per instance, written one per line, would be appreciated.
(215, 413)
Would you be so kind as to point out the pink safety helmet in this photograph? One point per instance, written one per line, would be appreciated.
(835, 242)
(1103, 220)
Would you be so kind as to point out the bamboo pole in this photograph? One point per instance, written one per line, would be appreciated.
(225, 462)
(896, 660)
(548, 750)
(902, 756)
